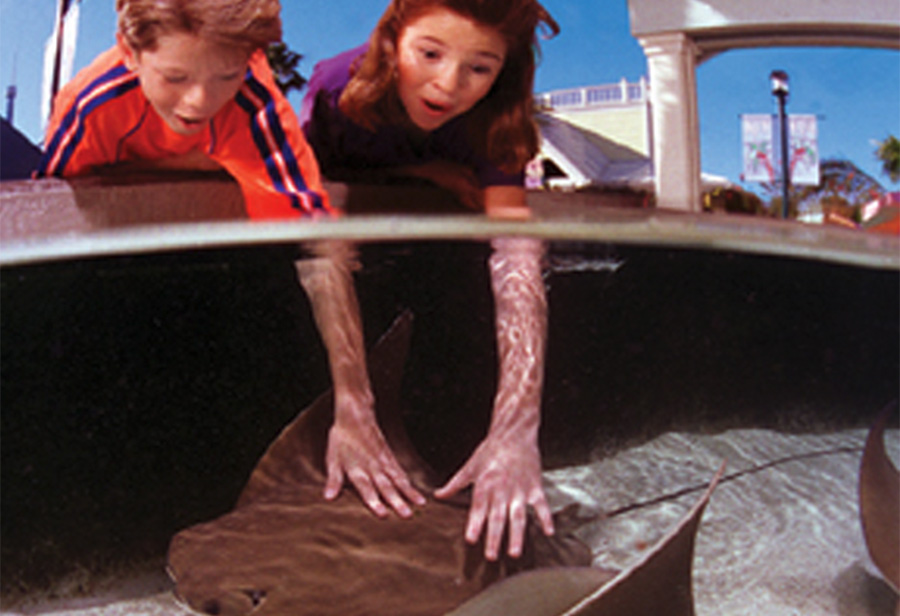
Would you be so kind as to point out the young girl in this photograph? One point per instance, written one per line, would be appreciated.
(443, 92)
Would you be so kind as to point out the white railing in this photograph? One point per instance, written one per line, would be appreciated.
(622, 93)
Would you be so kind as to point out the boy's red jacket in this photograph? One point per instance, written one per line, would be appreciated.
(102, 117)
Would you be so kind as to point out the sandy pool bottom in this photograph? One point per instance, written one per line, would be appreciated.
(781, 535)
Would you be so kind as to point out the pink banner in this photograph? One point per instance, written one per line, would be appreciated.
(759, 158)
(762, 154)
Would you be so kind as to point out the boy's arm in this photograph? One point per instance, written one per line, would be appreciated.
(77, 148)
(260, 144)
(90, 115)
(357, 449)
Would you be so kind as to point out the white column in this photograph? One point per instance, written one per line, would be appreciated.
(648, 119)
(672, 61)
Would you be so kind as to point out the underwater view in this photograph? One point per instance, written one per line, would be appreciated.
(138, 402)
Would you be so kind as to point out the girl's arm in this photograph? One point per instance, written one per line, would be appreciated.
(506, 467)
(357, 449)
(506, 202)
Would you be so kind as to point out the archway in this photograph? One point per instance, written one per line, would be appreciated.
(680, 34)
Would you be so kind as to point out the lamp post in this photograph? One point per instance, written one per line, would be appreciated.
(779, 81)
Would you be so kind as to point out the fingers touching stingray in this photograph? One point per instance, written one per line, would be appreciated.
(298, 455)
(285, 550)
(659, 583)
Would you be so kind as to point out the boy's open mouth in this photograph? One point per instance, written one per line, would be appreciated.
(190, 121)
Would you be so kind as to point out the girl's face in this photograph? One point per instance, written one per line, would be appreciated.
(446, 63)
(188, 79)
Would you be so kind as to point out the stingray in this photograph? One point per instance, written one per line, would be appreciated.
(658, 583)
(284, 550)
(879, 502)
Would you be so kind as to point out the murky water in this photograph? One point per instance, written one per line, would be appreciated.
(139, 392)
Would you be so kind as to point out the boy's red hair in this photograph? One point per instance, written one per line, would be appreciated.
(250, 24)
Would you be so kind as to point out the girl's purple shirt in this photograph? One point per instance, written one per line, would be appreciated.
(341, 144)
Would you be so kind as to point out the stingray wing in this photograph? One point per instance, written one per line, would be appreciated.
(879, 502)
(660, 583)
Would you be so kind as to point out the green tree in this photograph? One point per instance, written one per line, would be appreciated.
(888, 153)
(841, 184)
(734, 201)
(284, 65)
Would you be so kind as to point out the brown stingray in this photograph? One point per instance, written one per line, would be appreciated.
(879, 502)
(659, 583)
(284, 550)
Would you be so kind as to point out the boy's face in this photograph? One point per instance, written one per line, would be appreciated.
(187, 79)
(446, 63)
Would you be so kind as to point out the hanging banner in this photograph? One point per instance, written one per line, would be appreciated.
(762, 151)
(803, 154)
(759, 158)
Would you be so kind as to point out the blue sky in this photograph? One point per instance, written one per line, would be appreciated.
(855, 92)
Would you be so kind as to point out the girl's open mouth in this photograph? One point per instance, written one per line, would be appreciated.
(435, 107)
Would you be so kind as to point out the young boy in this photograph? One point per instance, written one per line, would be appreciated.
(187, 85)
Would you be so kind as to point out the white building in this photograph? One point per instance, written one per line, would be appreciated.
(599, 136)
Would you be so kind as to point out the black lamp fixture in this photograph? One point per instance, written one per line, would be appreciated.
(779, 81)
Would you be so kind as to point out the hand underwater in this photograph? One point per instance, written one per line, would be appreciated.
(358, 451)
(506, 467)
(506, 473)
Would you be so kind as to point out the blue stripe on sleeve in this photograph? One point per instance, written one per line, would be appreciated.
(76, 117)
(281, 142)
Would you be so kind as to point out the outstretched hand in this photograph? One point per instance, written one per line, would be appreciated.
(505, 469)
(358, 451)
(506, 475)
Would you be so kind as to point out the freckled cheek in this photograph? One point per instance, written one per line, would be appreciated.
(409, 76)
(407, 84)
